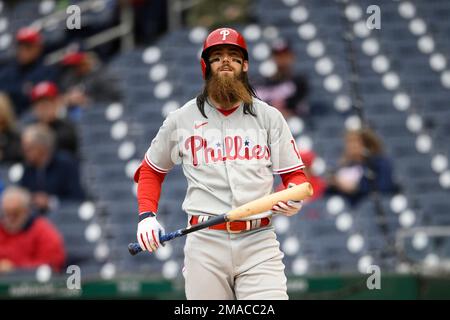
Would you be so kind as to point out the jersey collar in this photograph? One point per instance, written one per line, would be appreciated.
(223, 113)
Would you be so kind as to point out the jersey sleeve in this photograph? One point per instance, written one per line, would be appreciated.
(163, 152)
(285, 155)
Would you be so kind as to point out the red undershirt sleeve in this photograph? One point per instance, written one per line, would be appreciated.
(149, 187)
(296, 177)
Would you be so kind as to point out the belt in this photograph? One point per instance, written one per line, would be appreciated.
(233, 226)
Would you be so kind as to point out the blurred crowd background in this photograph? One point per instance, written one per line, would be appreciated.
(369, 109)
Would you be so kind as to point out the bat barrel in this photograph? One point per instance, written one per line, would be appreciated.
(298, 192)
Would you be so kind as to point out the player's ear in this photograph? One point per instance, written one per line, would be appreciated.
(245, 66)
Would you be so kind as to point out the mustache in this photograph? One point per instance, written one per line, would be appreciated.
(226, 66)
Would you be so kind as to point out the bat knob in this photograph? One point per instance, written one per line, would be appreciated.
(133, 249)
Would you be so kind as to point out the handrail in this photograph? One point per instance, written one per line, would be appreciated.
(433, 231)
(62, 14)
(175, 9)
(124, 30)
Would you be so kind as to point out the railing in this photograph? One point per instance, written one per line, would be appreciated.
(124, 30)
(175, 10)
(442, 266)
(61, 15)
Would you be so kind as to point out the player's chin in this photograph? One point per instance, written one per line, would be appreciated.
(227, 73)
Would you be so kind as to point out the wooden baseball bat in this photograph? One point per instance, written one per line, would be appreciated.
(266, 203)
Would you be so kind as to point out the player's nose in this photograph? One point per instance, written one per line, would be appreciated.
(226, 58)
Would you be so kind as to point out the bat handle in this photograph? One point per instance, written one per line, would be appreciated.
(134, 247)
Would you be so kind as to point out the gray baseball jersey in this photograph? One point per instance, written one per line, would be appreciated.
(227, 160)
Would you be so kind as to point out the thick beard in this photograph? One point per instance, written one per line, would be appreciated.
(228, 91)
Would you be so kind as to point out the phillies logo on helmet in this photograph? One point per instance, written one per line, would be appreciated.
(224, 33)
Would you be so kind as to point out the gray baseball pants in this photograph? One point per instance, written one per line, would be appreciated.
(219, 265)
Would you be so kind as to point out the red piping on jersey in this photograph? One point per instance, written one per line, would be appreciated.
(153, 166)
(292, 169)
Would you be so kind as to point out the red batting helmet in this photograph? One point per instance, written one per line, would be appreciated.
(222, 36)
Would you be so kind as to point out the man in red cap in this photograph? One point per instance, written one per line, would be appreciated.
(48, 108)
(85, 81)
(26, 69)
(29, 45)
(230, 144)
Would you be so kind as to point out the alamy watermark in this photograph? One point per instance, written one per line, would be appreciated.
(374, 280)
(73, 20)
(374, 20)
(74, 280)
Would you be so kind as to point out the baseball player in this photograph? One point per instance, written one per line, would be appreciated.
(230, 144)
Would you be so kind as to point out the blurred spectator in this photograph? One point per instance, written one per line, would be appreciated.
(318, 183)
(84, 81)
(285, 90)
(213, 14)
(150, 19)
(48, 173)
(363, 168)
(27, 69)
(27, 241)
(48, 108)
(10, 150)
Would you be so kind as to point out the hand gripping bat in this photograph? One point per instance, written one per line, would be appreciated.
(296, 193)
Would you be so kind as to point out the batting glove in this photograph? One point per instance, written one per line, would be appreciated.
(149, 231)
(288, 208)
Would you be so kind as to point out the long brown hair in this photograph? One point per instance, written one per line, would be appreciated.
(201, 98)
(7, 116)
(371, 141)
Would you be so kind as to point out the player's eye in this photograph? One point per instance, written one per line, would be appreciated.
(237, 60)
(214, 59)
